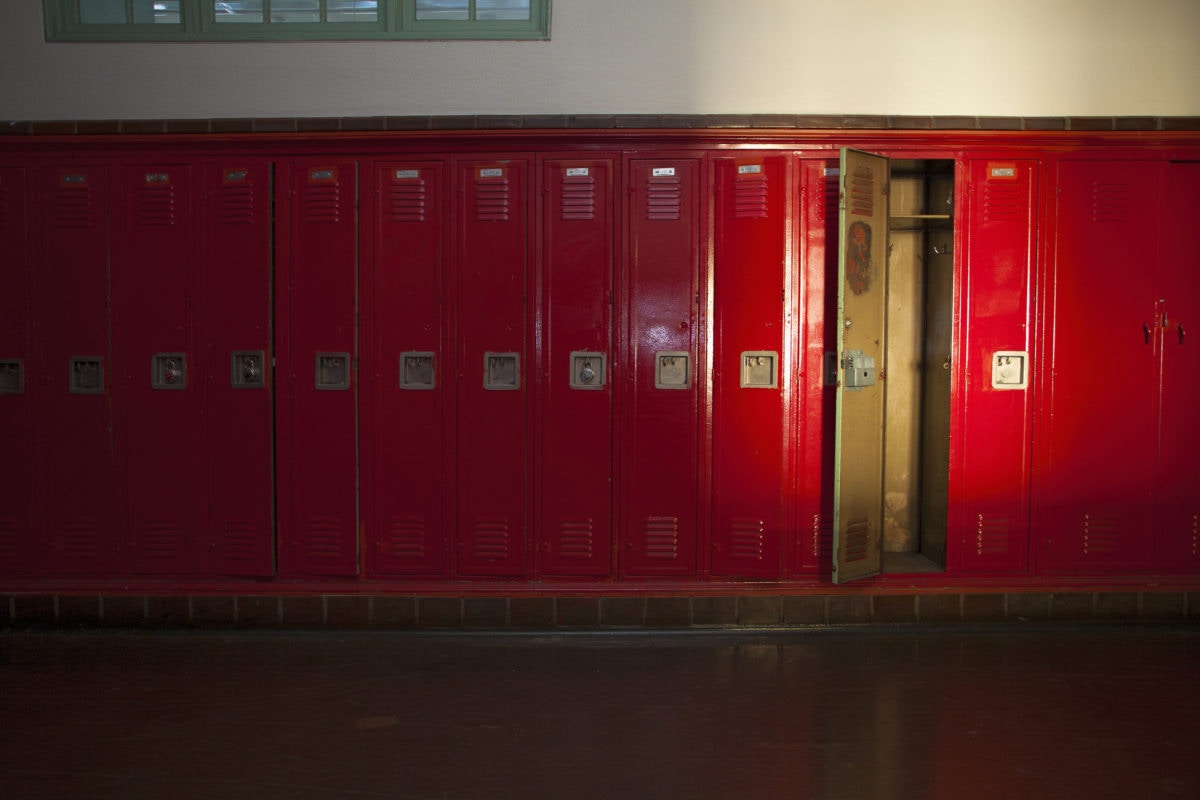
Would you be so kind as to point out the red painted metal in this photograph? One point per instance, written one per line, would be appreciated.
(574, 401)
(990, 501)
(316, 306)
(493, 466)
(239, 403)
(660, 436)
(73, 389)
(17, 553)
(751, 386)
(412, 372)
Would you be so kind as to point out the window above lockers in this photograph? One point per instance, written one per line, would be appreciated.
(293, 20)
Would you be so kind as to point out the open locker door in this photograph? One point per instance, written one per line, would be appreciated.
(862, 312)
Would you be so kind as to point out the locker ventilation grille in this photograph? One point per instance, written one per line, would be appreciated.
(324, 538)
(490, 540)
(750, 197)
(575, 539)
(323, 203)
(1099, 534)
(827, 203)
(861, 186)
(578, 197)
(156, 204)
(1001, 201)
(73, 206)
(662, 538)
(240, 541)
(747, 539)
(664, 198)
(406, 539)
(822, 538)
(408, 201)
(161, 539)
(4, 208)
(80, 539)
(858, 535)
(1110, 202)
(237, 203)
(8, 540)
(991, 536)
(491, 200)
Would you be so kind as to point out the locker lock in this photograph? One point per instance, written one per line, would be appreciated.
(246, 369)
(588, 369)
(168, 371)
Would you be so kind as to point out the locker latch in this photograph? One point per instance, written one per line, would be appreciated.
(859, 369)
(588, 370)
(12, 376)
(672, 369)
(332, 371)
(501, 371)
(86, 376)
(417, 370)
(168, 371)
(759, 369)
(246, 369)
(1010, 369)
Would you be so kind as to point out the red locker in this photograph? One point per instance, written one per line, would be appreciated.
(316, 394)
(1096, 499)
(575, 371)
(72, 379)
(238, 385)
(660, 439)
(16, 396)
(411, 366)
(158, 370)
(819, 187)
(493, 367)
(1178, 519)
(750, 380)
(993, 502)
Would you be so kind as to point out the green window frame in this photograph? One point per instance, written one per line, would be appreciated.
(206, 20)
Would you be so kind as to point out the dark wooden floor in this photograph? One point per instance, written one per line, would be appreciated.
(959, 713)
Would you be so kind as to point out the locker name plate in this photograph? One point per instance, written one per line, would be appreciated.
(246, 369)
(672, 369)
(501, 371)
(332, 372)
(168, 371)
(589, 370)
(417, 370)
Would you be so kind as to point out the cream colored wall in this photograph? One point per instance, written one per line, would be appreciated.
(920, 57)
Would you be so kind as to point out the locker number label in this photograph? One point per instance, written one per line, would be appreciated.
(663, 172)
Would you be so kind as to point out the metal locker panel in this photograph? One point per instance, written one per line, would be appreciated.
(317, 386)
(575, 398)
(17, 408)
(659, 441)
(1177, 542)
(159, 403)
(238, 385)
(493, 413)
(858, 450)
(408, 440)
(750, 417)
(1096, 497)
(74, 370)
(993, 506)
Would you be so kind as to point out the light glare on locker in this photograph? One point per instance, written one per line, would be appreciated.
(417, 370)
(759, 369)
(502, 371)
(1010, 369)
(672, 369)
(588, 370)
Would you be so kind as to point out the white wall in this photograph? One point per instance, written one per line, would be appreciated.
(918, 57)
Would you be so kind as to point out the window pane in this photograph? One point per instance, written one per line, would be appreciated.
(238, 11)
(353, 11)
(98, 12)
(161, 11)
(501, 9)
(295, 10)
(443, 9)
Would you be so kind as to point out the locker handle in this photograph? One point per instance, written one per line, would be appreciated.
(1182, 332)
(1146, 331)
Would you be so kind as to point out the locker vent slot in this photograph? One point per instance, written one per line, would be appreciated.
(323, 203)
(1099, 534)
(991, 536)
(1110, 202)
(662, 538)
(408, 201)
(491, 200)
(490, 540)
(4, 208)
(324, 538)
(858, 535)
(239, 541)
(575, 539)
(161, 539)
(73, 206)
(750, 197)
(1195, 535)
(406, 539)
(1001, 201)
(747, 539)
(80, 539)
(827, 202)
(8, 540)
(156, 202)
(237, 203)
(822, 538)
(578, 197)
(664, 198)
(861, 186)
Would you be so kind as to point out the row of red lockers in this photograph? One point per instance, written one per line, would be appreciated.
(527, 367)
